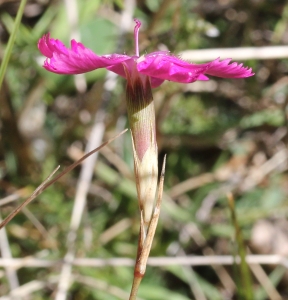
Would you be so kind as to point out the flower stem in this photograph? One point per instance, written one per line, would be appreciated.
(141, 115)
(135, 287)
(144, 248)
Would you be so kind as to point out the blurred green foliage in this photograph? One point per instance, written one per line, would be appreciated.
(233, 130)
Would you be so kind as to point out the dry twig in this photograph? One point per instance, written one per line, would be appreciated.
(43, 186)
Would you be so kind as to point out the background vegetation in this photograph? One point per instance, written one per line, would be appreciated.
(221, 136)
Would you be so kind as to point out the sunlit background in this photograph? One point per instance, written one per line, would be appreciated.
(221, 136)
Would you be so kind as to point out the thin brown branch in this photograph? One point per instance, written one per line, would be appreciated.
(43, 186)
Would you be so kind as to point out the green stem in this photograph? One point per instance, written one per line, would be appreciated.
(246, 291)
(11, 41)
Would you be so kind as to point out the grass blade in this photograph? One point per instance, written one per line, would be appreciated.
(11, 41)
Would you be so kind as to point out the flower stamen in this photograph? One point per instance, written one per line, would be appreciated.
(136, 34)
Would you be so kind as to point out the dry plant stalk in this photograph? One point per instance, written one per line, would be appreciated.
(48, 182)
(146, 239)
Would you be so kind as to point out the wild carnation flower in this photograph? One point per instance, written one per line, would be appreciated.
(142, 73)
(159, 65)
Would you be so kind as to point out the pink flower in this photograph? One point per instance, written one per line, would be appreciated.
(159, 66)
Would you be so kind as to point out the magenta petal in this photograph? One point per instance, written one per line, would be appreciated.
(202, 77)
(155, 82)
(224, 69)
(47, 46)
(120, 70)
(164, 66)
(78, 59)
(130, 67)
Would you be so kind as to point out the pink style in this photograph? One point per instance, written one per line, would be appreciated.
(159, 66)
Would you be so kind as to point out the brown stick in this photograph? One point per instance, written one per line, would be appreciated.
(44, 185)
